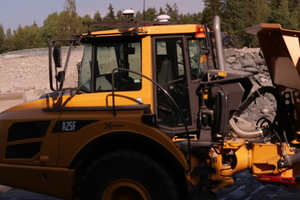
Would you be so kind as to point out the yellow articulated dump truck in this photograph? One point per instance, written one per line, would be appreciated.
(155, 115)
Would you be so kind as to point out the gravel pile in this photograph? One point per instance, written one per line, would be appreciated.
(251, 59)
(27, 73)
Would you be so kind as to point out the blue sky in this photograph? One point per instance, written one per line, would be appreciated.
(24, 12)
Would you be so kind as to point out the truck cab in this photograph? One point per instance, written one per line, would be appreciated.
(159, 64)
(174, 61)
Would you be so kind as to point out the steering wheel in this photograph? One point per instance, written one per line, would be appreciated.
(122, 81)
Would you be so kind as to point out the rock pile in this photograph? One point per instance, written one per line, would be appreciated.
(250, 59)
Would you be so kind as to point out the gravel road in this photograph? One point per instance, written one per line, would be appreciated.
(8, 100)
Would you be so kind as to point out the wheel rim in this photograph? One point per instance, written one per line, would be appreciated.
(125, 189)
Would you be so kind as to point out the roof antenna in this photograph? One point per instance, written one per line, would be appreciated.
(144, 14)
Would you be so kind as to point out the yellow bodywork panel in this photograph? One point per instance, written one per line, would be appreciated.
(265, 158)
(129, 120)
(60, 145)
(49, 141)
(125, 121)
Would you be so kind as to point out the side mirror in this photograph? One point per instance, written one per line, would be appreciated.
(57, 56)
(57, 79)
(60, 77)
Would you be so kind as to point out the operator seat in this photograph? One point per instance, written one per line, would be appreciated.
(165, 74)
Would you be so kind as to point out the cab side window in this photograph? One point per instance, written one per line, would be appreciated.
(198, 59)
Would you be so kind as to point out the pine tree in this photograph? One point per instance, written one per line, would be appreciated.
(172, 11)
(97, 17)
(150, 14)
(70, 6)
(161, 11)
(211, 9)
(7, 45)
(283, 16)
(232, 19)
(275, 4)
(111, 14)
(139, 15)
(120, 15)
(294, 9)
(2, 37)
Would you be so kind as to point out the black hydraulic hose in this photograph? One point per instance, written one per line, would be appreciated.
(280, 114)
(247, 103)
(256, 94)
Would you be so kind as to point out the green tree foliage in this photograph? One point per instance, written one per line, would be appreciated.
(274, 4)
(211, 9)
(7, 45)
(236, 16)
(173, 12)
(150, 14)
(231, 14)
(97, 17)
(283, 16)
(161, 11)
(188, 18)
(69, 24)
(50, 30)
(31, 36)
(83, 28)
(232, 18)
(295, 14)
(110, 15)
(2, 37)
(18, 41)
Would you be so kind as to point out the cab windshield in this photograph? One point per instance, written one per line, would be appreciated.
(98, 63)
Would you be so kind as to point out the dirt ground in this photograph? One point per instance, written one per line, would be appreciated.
(8, 100)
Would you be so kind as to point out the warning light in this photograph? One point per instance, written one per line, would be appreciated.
(200, 31)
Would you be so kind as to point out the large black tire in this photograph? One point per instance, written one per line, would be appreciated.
(127, 175)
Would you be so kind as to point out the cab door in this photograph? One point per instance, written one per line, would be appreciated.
(170, 62)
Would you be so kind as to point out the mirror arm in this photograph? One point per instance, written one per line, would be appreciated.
(50, 45)
(60, 77)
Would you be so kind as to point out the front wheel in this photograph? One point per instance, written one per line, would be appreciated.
(127, 175)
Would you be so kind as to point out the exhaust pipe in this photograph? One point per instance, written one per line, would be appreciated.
(219, 45)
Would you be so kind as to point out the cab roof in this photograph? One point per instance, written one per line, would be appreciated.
(134, 27)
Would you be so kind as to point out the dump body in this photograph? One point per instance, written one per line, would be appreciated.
(281, 51)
